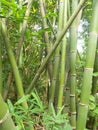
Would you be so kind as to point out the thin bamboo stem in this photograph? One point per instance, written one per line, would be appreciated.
(55, 78)
(0, 60)
(63, 61)
(23, 29)
(73, 52)
(46, 36)
(95, 78)
(67, 81)
(13, 64)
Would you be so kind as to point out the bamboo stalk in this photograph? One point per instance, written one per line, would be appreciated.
(16, 74)
(46, 36)
(57, 42)
(13, 64)
(63, 61)
(56, 59)
(95, 78)
(22, 32)
(88, 71)
(95, 87)
(6, 122)
(0, 60)
(24, 25)
(95, 125)
(67, 81)
(73, 52)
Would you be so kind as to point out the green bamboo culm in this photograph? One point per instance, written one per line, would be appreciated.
(88, 71)
(95, 88)
(73, 52)
(0, 60)
(95, 78)
(56, 58)
(23, 29)
(6, 122)
(46, 36)
(62, 61)
(95, 124)
(13, 64)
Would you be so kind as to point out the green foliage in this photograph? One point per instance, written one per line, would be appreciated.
(32, 57)
(93, 107)
(37, 113)
(53, 121)
(95, 74)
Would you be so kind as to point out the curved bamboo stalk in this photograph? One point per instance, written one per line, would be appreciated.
(13, 64)
(88, 71)
(57, 42)
(16, 74)
(19, 47)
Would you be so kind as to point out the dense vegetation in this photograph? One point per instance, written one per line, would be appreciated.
(48, 65)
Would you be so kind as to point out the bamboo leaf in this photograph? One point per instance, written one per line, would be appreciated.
(21, 100)
(36, 97)
(92, 98)
(5, 2)
(96, 111)
(59, 111)
(95, 74)
(92, 106)
(10, 105)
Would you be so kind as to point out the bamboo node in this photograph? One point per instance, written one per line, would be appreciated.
(66, 105)
(72, 95)
(89, 69)
(72, 74)
(74, 128)
(56, 56)
(82, 104)
(5, 117)
(73, 113)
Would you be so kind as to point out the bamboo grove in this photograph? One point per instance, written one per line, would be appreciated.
(39, 42)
